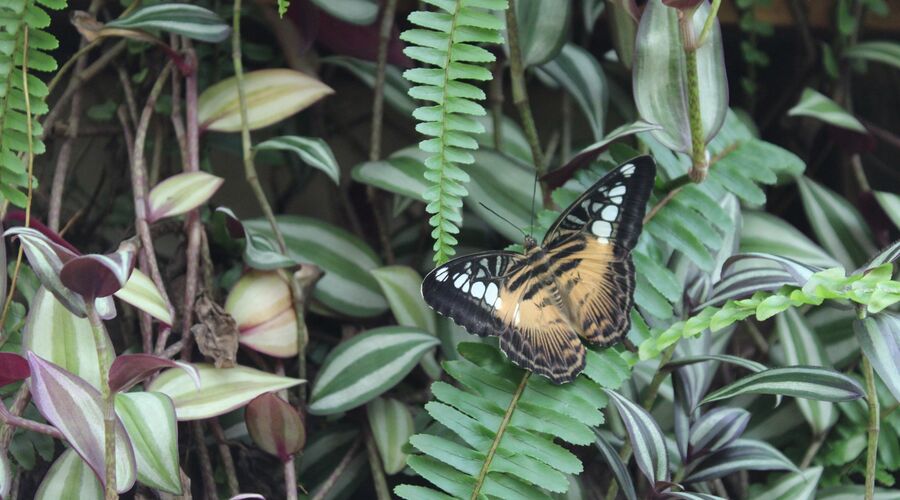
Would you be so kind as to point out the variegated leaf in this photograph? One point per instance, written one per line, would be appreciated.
(149, 419)
(180, 194)
(313, 151)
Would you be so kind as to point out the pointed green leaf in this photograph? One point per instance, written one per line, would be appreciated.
(313, 151)
(811, 382)
(879, 338)
(69, 478)
(191, 21)
(839, 227)
(392, 425)
(816, 105)
(149, 419)
(180, 194)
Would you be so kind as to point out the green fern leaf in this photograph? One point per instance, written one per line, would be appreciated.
(445, 41)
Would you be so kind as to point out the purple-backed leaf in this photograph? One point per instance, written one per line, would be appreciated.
(94, 276)
(742, 454)
(13, 368)
(647, 439)
(130, 369)
(275, 426)
(75, 408)
(47, 259)
(717, 429)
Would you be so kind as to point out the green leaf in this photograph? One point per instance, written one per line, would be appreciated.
(401, 285)
(221, 389)
(69, 477)
(543, 29)
(890, 203)
(398, 174)
(879, 51)
(579, 73)
(347, 286)
(191, 21)
(743, 454)
(181, 193)
(794, 486)
(313, 151)
(149, 419)
(765, 233)
(801, 347)
(809, 382)
(392, 425)
(646, 438)
(620, 471)
(395, 86)
(366, 366)
(879, 338)
(838, 225)
(660, 85)
(141, 292)
(717, 429)
(361, 12)
(816, 105)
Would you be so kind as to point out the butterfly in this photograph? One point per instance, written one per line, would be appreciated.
(577, 286)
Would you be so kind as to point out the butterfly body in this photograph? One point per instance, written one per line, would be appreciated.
(575, 287)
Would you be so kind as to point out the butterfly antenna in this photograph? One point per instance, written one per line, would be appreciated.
(533, 195)
(491, 210)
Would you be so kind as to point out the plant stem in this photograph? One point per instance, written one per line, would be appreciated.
(495, 98)
(479, 481)
(225, 454)
(336, 473)
(710, 20)
(874, 428)
(699, 165)
(192, 223)
(104, 360)
(249, 166)
(11, 420)
(381, 487)
(302, 283)
(375, 200)
(206, 470)
(290, 479)
(519, 91)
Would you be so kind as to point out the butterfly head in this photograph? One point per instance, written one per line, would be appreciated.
(530, 243)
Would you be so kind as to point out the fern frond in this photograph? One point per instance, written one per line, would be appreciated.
(523, 455)
(16, 18)
(446, 41)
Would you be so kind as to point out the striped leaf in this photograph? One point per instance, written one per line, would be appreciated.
(260, 249)
(579, 73)
(811, 382)
(275, 426)
(890, 203)
(141, 292)
(76, 408)
(401, 285)
(95, 276)
(398, 174)
(313, 151)
(717, 429)
(271, 94)
(543, 29)
(69, 478)
(659, 68)
(879, 338)
(47, 258)
(745, 274)
(878, 51)
(794, 486)
(838, 225)
(749, 364)
(191, 21)
(392, 425)
(347, 286)
(854, 492)
(6, 476)
(395, 86)
(364, 367)
(742, 454)
(149, 419)
(889, 254)
(816, 105)
(129, 370)
(646, 438)
(52, 332)
(801, 347)
(180, 194)
(765, 233)
(620, 471)
(221, 389)
(352, 11)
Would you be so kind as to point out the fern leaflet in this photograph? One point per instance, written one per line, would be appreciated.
(446, 40)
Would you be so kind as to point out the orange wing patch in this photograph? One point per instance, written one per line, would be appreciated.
(538, 335)
(598, 286)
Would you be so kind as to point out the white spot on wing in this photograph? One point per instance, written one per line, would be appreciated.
(627, 170)
(460, 280)
(601, 228)
(617, 191)
(610, 212)
(478, 289)
(441, 274)
(490, 294)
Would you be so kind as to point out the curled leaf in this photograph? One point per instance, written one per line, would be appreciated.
(130, 369)
(94, 276)
(262, 306)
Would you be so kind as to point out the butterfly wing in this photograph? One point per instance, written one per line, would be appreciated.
(506, 295)
(590, 247)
